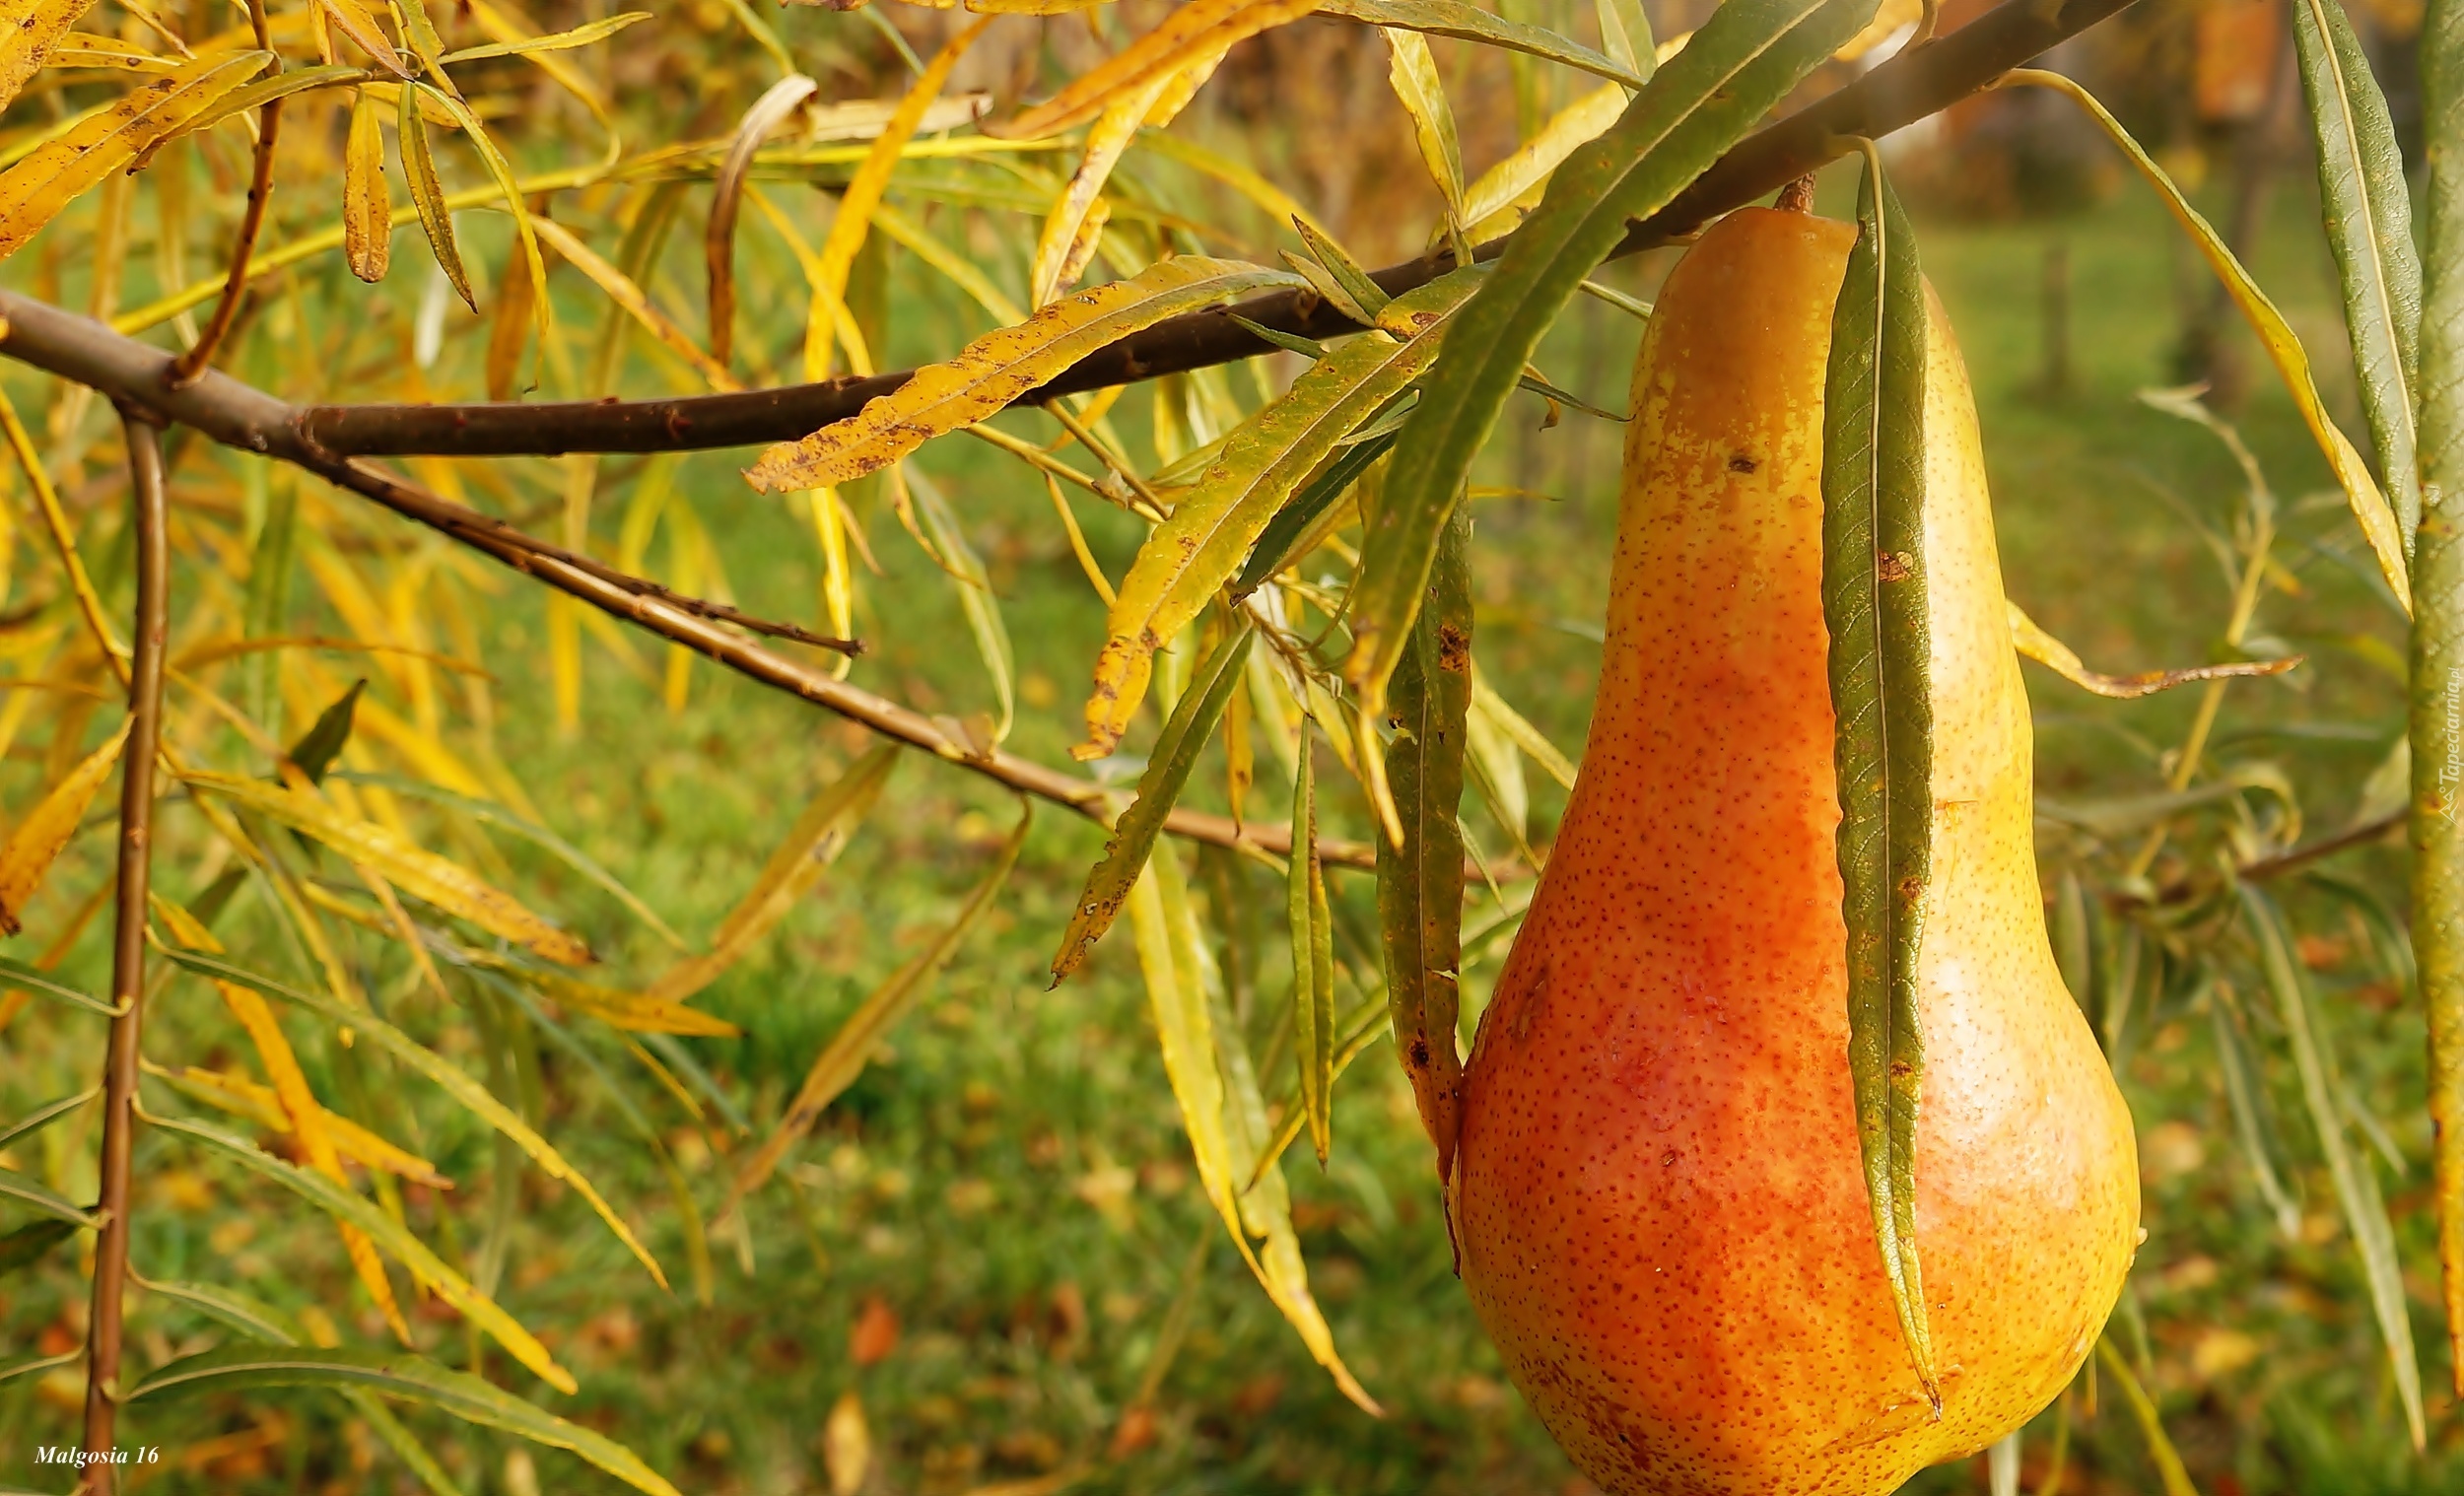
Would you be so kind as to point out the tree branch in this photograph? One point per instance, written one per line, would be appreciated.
(1919, 81)
(150, 520)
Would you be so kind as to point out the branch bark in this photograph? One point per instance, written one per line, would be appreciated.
(128, 940)
(252, 219)
(1919, 81)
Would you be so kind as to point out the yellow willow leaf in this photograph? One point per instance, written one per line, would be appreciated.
(1503, 185)
(31, 32)
(510, 188)
(843, 1058)
(33, 846)
(864, 192)
(1276, 203)
(1033, 7)
(1890, 17)
(1220, 1106)
(1000, 367)
(2037, 644)
(1104, 143)
(718, 239)
(1189, 557)
(413, 1254)
(84, 49)
(35, 190)
(245, 1098)
(560, 41)
(2370, 508)
(448, 1078)
(436, 218)
(355, 20)
(850, 336)
(422, 874)
(634, 1012)
(367, 206)
(812, 844)
(502, 28)
(629, 298)
(1411, 71)
(1190, 33)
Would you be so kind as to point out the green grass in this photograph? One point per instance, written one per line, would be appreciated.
(1009, 1176)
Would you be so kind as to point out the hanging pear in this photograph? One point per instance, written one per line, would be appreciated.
(1658, 1197)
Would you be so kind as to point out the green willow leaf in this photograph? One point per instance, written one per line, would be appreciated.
(1467, 22)
(1312, 958)
(1420, 879)
(2357, 1186)
(450, 1077)
(1874, 603)
(2370, 230)
(2437, 705)
(34, 1196)
(1278, 544)
(1214, 527)
(16, 973)
(388, 1233)
(1168, 768)
(45, 1114)
(2252, 1124)
(1743, 61)
(399, 1374)
(32, 1243)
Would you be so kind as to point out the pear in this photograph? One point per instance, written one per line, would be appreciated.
(1658, 1201)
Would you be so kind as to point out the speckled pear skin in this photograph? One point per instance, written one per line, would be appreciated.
(1658, 1201)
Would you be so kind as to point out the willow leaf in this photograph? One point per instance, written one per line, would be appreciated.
(18, 974)
(1313, 960)
(2246, 1093)
(2357, 1188)
(2035, 643)
(1412, 72)
(366, 206)
(2370, 230)
(1421, 877)
(2292, 365)
(2143, 1410)
(1467, 22)
(1294, 529)
(419, 169)
(32, 1243)
(388, 1233)
(1874, 591)
(35, 843)
(34, 28)
(1002, 366)
(975, 602)
(560, 41)
(1744, 60)
(399, 1375)
(1212, 528)
(1168, 768)
(1503, 185)
(447, 1077)
(58, 172)
(36, 1197)
(1194, 31)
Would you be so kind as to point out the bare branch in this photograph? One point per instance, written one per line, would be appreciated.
(252, 219)
(1909, 87)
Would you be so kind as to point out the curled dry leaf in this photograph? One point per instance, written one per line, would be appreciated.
(770, 110)
(2037, 644)
(1000, 367)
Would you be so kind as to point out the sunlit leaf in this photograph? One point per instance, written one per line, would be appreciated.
(367, 206)
(1312, 961)
(1189, 557)
(1168, 768)
(1192, 31)
(2369, 507)
(436, 220)
(802, 856)
(1421, 872)
(401, 1375)
(35, 843)
(355, 20)
(422, 874)
(1744, 61)
(1469, 23)
(559, 41)
(1874, 606)
(33, 31)
(1412, 72)
(1503, 185)
(1000, 367)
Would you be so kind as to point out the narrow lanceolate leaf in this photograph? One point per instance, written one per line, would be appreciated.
(843, 1059)
(2292, 365)
(33, 29)
(404, 1375)
(1503, 185)
(1000, 367)
(1743, 61)
(32, 1195)
(810, 846)
(975, 602)
(2055, 655)
(55, 173)
(2143, 1410)
(1412, 72)
(243, 1097)
(1168, 768)
(1467, 23)
(1064, 225)
(2436, 706)
(510, 188)
(635, 303)
(1304, 520)
(1221, 1107)
(32, 1243)
(2357, 1188)
(36, 841)
(390, 1234)
(1420, 875)
(367, 206)
(436, 220)
(2370, 230)
(1194, 31)
(16, 974)
(632, 1013)
(413, 869)
(719, 239)
(1189, 557)
(447, 1077)
(355, 20)
(1312, 961)
(44, 1115)
(559, 41)
(1873, 589)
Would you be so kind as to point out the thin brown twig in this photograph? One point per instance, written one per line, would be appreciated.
(1919, 81)
(2302, 856)
(151, 522)
(185, 369)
